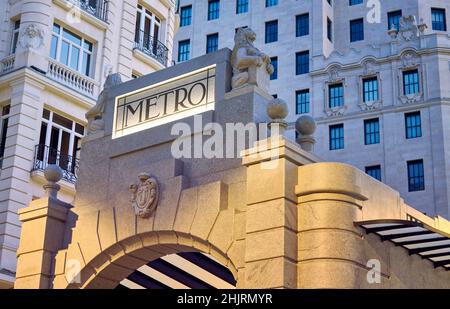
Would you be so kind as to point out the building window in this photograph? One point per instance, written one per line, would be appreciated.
(438, 19)
(271, 31)
(411, 82)
(274, 61)
(302, 63)
(355, 2)
(374, 171)
(184, 50)
(413, 125)
(394, 20)
(416, 178)
(370, 89)
(147, 29)
(71, 50)
(212, 43)
(329, 30)
(330, 3)
(335, 95)
(213, 9)
(302, 25)
(337, 137)
(241, 6)
(186, 16)
(4, 130)
(15, 36)
(271, 3)
(59, 142)
(372, 131)
(302, 101)
(357, 30)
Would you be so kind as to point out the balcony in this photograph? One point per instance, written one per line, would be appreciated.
(97, 8)
(7, 64)
(66, 76)
(45, 155)
(152, 47)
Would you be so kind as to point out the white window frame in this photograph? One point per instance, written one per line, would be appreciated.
(154, 20)
(15, 32)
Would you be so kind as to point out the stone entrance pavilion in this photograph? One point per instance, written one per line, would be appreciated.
(276, 217)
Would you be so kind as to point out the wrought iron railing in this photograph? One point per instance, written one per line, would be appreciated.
(97, 8)
(44, 155)
(152, 47)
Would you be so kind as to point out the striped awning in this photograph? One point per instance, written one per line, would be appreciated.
(415, 237)
(190, 270)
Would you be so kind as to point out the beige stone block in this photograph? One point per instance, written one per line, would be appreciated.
(145, 254)
(221, 234)
(87, 237)
(270, 274)
(114, 272)
(107, 228)
(237, 196)
(185, 240)
(34, 263)
(102, 283)
(240, 282)
(270, 215)
(126, 222)
(149, 239)
(202, 246)
(60, 282)
(271, 244)
(211, 199)
(32, 282)
(221, 258)
(60, 262)
(145, 225)
(167, 238)
(186, 210)
(236, 253)
(131, 244)
(240, 219)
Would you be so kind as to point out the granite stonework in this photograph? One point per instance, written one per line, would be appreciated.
(275, 217)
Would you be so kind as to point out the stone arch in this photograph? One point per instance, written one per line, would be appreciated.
(117, 262)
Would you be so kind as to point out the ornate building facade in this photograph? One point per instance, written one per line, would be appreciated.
(374, 75)
(55, 56)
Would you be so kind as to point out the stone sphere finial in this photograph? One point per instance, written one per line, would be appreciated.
(277, 110)
(306, 127)
(53, 173)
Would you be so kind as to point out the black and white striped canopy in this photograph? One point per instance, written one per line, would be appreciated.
(190, 270)
(415, 237)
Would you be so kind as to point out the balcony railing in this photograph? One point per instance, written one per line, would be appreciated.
(97, 8)
(152, 47)
(7, 64)
(44, 155)
(65, 75)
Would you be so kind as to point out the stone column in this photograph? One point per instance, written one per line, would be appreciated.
(23, 129)
(330, 247)
(43, 232)
(271, 227)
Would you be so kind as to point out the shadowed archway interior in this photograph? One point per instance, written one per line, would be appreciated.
(186, 270)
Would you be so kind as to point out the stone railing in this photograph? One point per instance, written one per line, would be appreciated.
(65, 75)
(7, 64)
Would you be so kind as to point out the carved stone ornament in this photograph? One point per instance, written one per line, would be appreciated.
(370, 105)
(370, 67)
(144, 195)
(32, 37)
(411, 98)
(410, 59)
(250, 65)
(336, 111)
(408, 28)
(333, 73)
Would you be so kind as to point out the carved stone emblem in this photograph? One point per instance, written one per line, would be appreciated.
(410, 59)
(144, 195)
(32, 37)
(333, 74)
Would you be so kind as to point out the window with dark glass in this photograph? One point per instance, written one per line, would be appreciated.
(213, 9)
(438, 19)
(374, 171)
(335, 95)
(4, 130)
(212, 42)
(241, 6)
(184, 49)
(411, 82)
(372, 131)
(302, 62)
(413, 125)
(302, 25)
(271, 31)
(302, 101)
(337, 137)
(416, 176)
(329, 30)
(355, 2)
(274, 61)
(394, 20)
(185, 15)
(271, 3)
(15, 36)
(370, 89)
(357, 30)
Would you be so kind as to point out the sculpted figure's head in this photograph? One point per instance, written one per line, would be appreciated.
(244, 36)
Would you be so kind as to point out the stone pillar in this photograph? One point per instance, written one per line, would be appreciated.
(43, 232)
(23, 129)
(271, 227)
(33, 47)
(330, 247)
